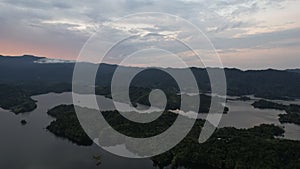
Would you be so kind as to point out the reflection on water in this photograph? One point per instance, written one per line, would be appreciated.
(31, 146)
(243, 115)
(287, 102)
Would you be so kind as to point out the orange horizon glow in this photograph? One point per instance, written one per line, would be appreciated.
(20, 49)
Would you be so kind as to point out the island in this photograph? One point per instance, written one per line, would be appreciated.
(264, 104)
(228, 147)
(292, 111)
(23, 122)
(241, 98)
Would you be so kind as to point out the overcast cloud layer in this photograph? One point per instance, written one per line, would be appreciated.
(248, 34)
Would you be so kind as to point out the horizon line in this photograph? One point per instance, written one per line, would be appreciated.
(74, 61)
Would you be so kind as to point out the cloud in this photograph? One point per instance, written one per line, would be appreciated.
(55, 28)
(261, 40)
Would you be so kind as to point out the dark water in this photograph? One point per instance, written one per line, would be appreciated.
(244, 115)
(33, 147)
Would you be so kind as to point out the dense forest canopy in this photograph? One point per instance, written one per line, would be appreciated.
(228, 148)
(271, 84)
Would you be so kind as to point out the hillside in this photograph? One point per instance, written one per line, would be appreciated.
(271, 84)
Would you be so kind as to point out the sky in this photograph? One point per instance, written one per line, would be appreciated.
(247, 34)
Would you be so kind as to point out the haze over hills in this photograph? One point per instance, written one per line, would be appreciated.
(27, 70)
(31, 71)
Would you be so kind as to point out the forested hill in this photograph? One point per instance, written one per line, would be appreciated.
(294, 70)
(31, 71)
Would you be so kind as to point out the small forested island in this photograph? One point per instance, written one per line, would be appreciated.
(256, 148)
(242, 98)
(292, 111)
(23, 122)
(264, 104)
(15, 99)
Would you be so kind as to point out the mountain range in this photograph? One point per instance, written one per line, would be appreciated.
(40, 75)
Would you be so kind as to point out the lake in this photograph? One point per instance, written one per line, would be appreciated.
(32, 146)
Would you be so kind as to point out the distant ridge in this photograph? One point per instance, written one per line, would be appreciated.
(269, 83)
(293, 70)
(23, 57)
(34, 57)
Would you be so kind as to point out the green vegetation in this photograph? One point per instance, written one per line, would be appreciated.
(15, 99)
(231, 148)
(270, 84)
(23, 122)
(264, 104)
(67, 125)
(228, 148)
(139, 95)
(18, 98)
(290, 118)
(292, 110)
(242, 98)
(41, 88)
(97, 158)
(33, 78)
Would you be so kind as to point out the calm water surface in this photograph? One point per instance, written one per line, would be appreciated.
(33, 147)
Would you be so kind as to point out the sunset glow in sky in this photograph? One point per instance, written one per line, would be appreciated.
(248, 34)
